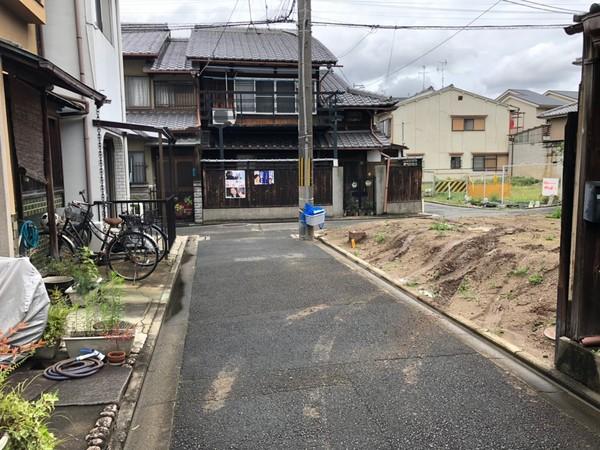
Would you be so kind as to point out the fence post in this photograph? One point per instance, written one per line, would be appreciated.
(433, 191)
(502, 187)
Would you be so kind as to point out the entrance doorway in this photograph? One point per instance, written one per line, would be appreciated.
(359, 188)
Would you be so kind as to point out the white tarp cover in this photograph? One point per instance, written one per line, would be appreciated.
(23, 298)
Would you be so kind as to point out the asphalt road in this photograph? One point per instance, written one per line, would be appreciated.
(288, 347)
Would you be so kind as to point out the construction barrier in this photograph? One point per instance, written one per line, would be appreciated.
(453, 185)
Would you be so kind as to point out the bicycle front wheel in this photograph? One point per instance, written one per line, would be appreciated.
(132, 255)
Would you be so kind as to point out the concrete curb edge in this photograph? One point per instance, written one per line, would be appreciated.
(558, 377)
(136, 380)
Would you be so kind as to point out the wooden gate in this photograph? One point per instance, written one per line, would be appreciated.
(405, 179)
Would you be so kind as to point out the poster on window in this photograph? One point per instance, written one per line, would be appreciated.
(264, 177)
(235, 184)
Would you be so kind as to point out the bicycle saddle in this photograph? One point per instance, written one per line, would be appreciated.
(113, 221)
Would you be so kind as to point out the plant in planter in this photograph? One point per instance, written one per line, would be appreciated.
(11, 354)
(24, 424)
(56, 325)
(58, 274)
(102, 327)
(85, 272)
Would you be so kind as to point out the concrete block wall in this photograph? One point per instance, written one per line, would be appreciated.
(198, 202)
(338, 191)
(121, 168)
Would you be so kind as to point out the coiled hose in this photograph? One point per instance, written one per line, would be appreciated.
(73, 368)
(30, 236)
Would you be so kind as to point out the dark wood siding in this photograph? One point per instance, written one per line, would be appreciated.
(283, 193)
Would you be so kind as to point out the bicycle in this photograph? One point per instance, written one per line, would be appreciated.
(130, 254)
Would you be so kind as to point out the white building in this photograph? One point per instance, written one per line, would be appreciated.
(456, 132)
(84, 38)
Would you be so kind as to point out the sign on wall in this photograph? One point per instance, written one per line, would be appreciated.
(235, 184)
(264, 177)
(550, 187)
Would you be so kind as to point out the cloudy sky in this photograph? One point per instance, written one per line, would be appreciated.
(486, 62)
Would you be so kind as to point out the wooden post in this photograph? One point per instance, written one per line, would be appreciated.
(161, 167)
(585, 255)
(562, 308)
(53, 231)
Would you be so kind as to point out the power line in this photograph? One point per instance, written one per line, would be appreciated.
(431, 50)
(212, 55)
(355, 46)
(539, 8)
(551, 6)
(444, 27)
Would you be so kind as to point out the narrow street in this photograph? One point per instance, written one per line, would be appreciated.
(287, 346)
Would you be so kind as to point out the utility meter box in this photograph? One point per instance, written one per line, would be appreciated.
(591, 202)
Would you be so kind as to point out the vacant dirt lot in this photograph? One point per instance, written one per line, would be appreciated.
(499, 272)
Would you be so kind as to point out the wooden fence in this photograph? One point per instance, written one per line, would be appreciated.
(278, 188)
(405, 181)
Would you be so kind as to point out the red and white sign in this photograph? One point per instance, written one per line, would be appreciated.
(550, 187)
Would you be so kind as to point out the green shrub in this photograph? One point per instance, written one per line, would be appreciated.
(523, 181)
(556, 214)
(441, 226)
(536, 279)
(57, 319)
(520, 271)
(380, 238)
(26, 423)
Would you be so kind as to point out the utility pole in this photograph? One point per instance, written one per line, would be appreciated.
(423, 73)
(305, 119)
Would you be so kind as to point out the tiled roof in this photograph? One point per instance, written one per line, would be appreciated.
(535, 98)
(347, 140)
(560, 111)
(172, 58)
(144, 39)
(573, 94)
(331, 82)
(174, 120)
(251, 45)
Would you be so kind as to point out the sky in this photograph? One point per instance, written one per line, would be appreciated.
(485, 62)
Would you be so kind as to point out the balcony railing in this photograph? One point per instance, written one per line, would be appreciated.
(249, 103)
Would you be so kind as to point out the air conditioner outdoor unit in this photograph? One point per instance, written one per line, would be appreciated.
(222, 116)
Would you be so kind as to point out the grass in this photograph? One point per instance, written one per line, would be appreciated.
(441, 226)
(412, 284)
(456, 198)
(520, 193)
(520, 271)
(536, 279)
(380, 238)
(556, 214)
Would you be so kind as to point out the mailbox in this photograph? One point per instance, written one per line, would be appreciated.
(591, 202)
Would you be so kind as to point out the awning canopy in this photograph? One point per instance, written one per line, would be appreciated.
(134, 128)
(40, 72)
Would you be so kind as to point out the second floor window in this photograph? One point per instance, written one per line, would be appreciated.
(264, 96)
(385, 126)
(173, 95)
(137, 93)
(468, 124)
(455, 162)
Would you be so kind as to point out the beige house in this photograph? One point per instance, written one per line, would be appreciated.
(538, 152)
(529, 105)
(456, 132)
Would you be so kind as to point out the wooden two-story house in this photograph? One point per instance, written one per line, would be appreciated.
(232, 95)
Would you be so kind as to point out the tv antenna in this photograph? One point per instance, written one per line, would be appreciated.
(423, 73)
(442, 68)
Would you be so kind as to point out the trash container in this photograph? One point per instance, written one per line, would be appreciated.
(313, 216)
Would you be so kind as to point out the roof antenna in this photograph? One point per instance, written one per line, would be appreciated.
(251, 24)
(267, 15)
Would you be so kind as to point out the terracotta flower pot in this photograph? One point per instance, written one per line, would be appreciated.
(116, 358)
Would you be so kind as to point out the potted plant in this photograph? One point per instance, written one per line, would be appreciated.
(58, 274)
(56, 325)
(86, 276)
(179, 210)
(102, 327)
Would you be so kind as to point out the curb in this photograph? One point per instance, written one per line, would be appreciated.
(136, 380)
(529, 360)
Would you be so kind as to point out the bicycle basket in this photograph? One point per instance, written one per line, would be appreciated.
(76, 214)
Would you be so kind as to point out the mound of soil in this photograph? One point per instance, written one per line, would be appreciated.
(499, 272)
